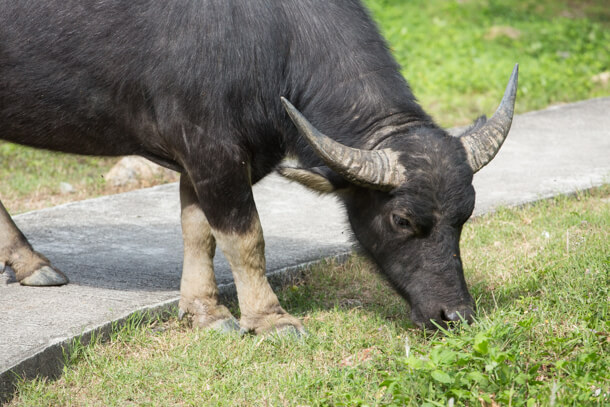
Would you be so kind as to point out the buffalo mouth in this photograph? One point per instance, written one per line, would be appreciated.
(442, 316)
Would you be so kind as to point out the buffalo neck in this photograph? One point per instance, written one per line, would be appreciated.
(342, 77)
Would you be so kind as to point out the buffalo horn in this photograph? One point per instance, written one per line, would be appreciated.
(482, 144)
(376, 169)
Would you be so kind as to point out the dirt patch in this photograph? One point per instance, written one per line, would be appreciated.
(593, 9)
(502, 31)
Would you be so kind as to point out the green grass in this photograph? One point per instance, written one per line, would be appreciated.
(28, 176)
(540, 275)
(455, 64)
(458, 67)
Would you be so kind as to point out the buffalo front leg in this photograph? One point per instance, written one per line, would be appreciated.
(260, 309)
(31, 267)
(222, 184)
(198, 289)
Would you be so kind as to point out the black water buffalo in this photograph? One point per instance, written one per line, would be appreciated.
(209, 88)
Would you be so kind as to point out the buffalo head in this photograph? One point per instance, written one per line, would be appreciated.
(408, 200)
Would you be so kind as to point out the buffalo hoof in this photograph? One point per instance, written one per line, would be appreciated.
(45, 276)
(225, 326)
(284, 332)
(222, 321)
(290, 331)
(278, 324)
(5, 279)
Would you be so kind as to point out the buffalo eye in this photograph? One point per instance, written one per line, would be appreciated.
(401, 223)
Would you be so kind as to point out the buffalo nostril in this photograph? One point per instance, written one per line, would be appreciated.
(458, 314)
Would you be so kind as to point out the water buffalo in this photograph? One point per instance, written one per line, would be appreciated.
(209, 88)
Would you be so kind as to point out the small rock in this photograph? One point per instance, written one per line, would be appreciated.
(602, 78)
(351, 303)
(65, 188)
(133, 169)
(502, 31)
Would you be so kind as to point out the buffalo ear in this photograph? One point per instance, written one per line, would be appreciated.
(320, 179)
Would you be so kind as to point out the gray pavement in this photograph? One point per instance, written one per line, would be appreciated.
(123, 253)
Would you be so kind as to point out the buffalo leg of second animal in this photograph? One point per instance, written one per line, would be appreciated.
(198, 289)
(31, 268)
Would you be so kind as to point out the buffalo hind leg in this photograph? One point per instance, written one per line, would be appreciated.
(31, 267)
(198, 290)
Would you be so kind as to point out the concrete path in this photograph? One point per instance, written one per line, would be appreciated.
(123, 253)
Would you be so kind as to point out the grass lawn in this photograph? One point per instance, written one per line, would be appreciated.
(30, 178)
(540, 275)
(457, 56)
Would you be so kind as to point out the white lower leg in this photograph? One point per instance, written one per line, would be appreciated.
(198, 289)
(260, 308)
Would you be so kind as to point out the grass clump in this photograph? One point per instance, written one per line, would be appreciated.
(503, 362)
(542, 336)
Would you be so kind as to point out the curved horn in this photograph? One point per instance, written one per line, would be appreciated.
(483, 143)
(377, 169)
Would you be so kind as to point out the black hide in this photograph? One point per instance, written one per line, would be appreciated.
(195, 85)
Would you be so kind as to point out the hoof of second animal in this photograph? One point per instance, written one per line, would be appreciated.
(45, 276)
